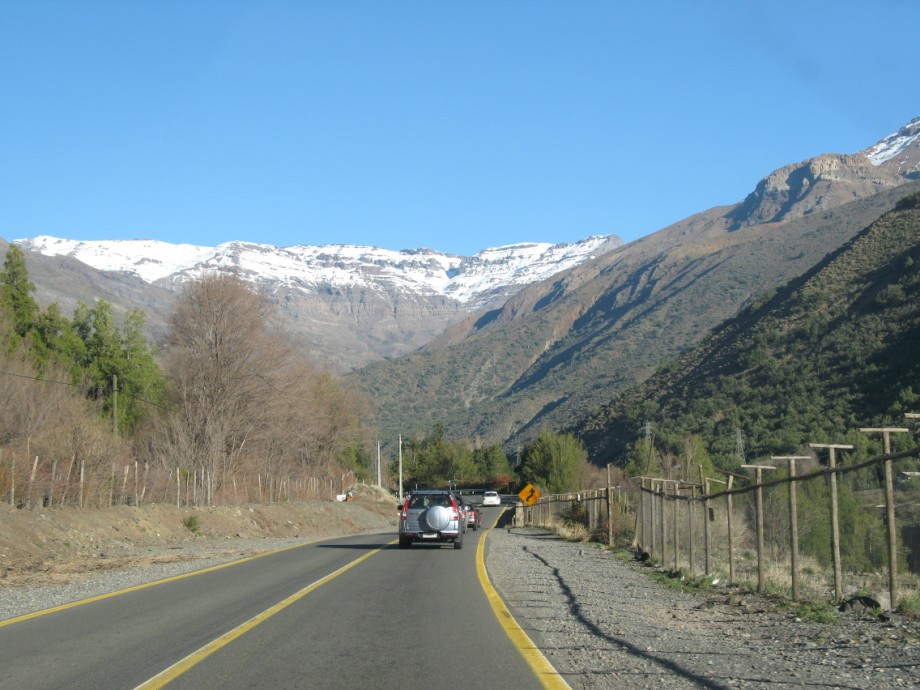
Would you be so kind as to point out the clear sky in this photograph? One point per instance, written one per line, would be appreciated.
(456, 125)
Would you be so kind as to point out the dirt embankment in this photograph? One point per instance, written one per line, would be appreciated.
(50, 545)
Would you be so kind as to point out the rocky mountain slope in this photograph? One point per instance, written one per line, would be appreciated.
(834, 349)
(559, 348)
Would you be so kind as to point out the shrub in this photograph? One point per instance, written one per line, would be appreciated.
(192, 524)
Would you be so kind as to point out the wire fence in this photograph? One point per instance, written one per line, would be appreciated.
(836, 532)
(39, 483)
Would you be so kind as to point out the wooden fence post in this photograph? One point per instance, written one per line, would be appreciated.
(708, 517)
(889, 512)
(67, 481)
(51, 489)
(30, 497)
(610, 529)
(835, 515)
(662, 521)
(690, 512)
(793, 521)
(676, 518)
(82, 480)
(759, 469)
(731, 548)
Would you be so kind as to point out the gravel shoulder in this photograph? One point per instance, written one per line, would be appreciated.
(604, 623)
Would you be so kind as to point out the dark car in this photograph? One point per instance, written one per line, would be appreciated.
(473, 516)
(431, 516)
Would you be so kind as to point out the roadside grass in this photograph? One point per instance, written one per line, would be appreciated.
(192, 524)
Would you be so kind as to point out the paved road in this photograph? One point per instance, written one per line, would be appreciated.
(391, 618)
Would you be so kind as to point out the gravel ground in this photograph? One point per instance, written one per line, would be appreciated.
(603, 623)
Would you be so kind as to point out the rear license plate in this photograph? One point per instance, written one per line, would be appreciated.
(429, 536)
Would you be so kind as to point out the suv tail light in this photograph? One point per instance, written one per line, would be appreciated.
(405, 510)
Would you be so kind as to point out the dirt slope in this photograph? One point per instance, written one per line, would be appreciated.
(49, 545)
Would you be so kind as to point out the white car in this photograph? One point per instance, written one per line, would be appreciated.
(491, 498)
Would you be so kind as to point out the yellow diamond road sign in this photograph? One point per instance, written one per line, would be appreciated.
(529, 494)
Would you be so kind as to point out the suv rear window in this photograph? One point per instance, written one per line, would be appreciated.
(427, 500)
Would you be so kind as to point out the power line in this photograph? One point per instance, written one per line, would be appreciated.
(77, 385)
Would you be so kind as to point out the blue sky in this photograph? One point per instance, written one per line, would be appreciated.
(451, 125)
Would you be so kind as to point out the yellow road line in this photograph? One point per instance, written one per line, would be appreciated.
(547, 675)
(180, 667)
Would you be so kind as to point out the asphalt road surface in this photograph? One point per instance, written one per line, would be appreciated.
(347, 613)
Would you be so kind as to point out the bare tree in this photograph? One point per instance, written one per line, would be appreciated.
(245, 403)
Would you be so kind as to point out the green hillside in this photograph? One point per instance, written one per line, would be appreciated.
(562, 348)
(834, 350)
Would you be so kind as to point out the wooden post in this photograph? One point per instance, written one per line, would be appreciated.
(889, 512)
(728, 512)
(835, 515)
(662, 519)
(609, 511)
(29, 492)
(67, 481)
(708, 517)
(676, 520)
(759, 470)
(82, 479)
(793, 521)
(690, 511)
(124, 483)
(51, 490)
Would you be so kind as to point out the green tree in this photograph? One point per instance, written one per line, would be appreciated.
(553, 462)
(491, 462)
(118, 356)
(644, 460)
(16, 291)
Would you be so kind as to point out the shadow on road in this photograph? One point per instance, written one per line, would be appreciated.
(358, 547)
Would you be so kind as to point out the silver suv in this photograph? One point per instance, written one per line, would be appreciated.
(431, 516)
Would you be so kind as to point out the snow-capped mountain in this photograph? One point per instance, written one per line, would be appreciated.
(898, 147)
(475, 282)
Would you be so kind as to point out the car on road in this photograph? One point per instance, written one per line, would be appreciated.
(473, 516)
(491, 498)
(431, 516)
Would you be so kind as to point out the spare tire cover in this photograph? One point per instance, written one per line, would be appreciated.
(437, 518)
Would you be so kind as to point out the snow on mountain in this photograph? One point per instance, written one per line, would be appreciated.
(894, 144)
(470, 280)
